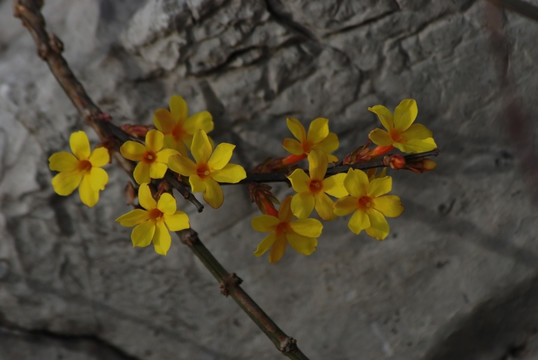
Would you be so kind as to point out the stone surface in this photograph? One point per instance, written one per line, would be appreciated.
(457, 277)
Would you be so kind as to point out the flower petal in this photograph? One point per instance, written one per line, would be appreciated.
(302, 244)
(356, 182)
(264, 223)
(318, 130)
(334, 185)
(328, 145)
(202, 120)
(99, 157)
(379, 227)
(379, 186)
(284, 212)
(307, 227)
(416, 145)
(132, 150)
(201, 147)
(161, 239)
(88, 195)
(221, 156)
(63, 161)
(416, 131)
(384, 115)
(133, 217)
(197, 184)
(345, 205)
(358, 222)
(296, 128)
(317, 164)
(157, 170)
(163, 121)
(182, 165)
(177, 221)
(98, 178)
(145, 198)
(231, 173)
(154, 140)
(164, 155)
(213, 194)
(265, 244)
(80, 145)
(292, 146)
(299, 180)
(389, 205)
(302, 204)
(141, 173)
(325, 207)
(178, 109)
(167, 204)
(380, 137)
(405, 113)
(278, 249)
(143, 234)
(65, 183)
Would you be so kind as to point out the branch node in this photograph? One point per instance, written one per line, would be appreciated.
(229, 281)
(188, 237)
(56, 44)
(288, 345)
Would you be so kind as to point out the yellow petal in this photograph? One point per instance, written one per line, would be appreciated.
(379, 186)
(302, 244)
(416, 131)
(98, 178)
(265, 244)
(264, 223)
(178, 221)
(278, 249)
(356, 182)
(307, 227)
(179, 146)
(88, 195)
(296, 128)
(167, 204)
(132, 150)
(405, 113)
(416, 145)
(221, 156)
(328, 145)
(179, 109)
(318, 130)
(161, 239)
(63, 161)
(213, 194)
(65, 183)
(379, 227)
(384, 115)
(197, 184)
(380, 137)
(80, 145)
(163, 121)
(345, 205)
(299, 180)
(143, 234)
(141, 173)
(231, 173)
(154, 140)
(388, 205)
(334, 185)
(182, 165)
(284, 213)
(99, 157)
(358, 222)
(202, 120)
(292, 146)
(325, 207)
(145, 198)
(201, 147)
(302, 204)
(157, 170)
(133, 217)
(317, 164)
(164, 155)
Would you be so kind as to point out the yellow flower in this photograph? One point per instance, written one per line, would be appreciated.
(318, 137)
(81, 169)
(312, 190)
(178, 127)
(154, 223)
(401, 132)
(211, 167)
(153, 159)
(301, 234)
(369, 204)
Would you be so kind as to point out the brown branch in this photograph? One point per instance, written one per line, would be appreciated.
(49, 49)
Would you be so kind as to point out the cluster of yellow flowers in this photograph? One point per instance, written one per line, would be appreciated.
(166, 148)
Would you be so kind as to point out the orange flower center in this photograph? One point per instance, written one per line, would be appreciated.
(149, 157)
(365, 203)
(155, 214)
(202, 170)
(178, 132)
(396, 135)
(307, 146)
(315, 186)
(282, 228)
(84, 166)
